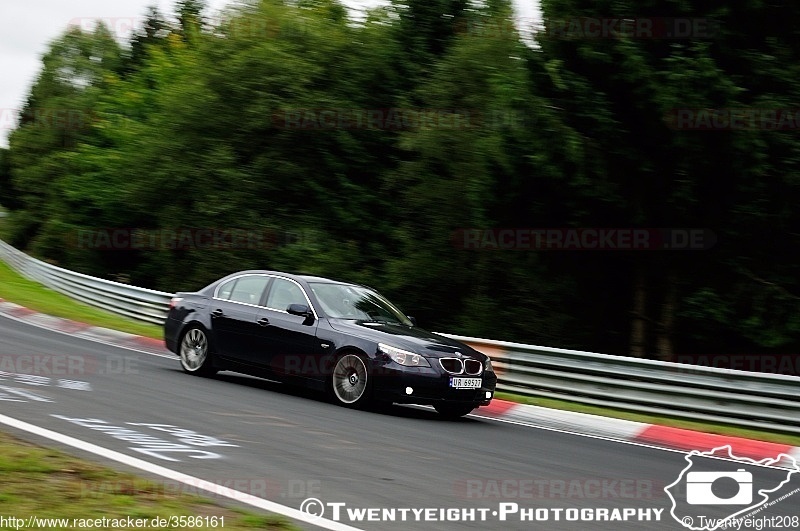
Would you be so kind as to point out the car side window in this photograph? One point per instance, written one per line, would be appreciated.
(224, 291)
(249, 289)
(283, 293)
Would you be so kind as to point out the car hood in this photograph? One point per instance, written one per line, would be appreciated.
(406, 337)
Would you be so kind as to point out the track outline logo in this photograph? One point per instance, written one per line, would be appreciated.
(712, 523)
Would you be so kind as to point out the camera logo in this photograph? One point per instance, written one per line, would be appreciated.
(702, 487)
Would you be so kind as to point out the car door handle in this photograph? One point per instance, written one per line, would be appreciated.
(263, 321)
(217, 313)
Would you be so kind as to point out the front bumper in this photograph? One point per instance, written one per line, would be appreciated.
(428, 387)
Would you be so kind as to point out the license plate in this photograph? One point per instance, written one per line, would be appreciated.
(465, 383)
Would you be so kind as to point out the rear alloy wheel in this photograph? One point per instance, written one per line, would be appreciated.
(454, 411)
(350, 381)
(196, 356)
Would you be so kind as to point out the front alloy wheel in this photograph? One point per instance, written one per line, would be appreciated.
(350, 381)
(195, 352)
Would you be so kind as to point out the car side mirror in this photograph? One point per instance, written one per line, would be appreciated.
(412, 319)
(299, 309)
(303, 311)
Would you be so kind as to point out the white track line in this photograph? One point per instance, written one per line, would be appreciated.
(174, 475)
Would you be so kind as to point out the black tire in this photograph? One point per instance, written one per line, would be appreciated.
(195, 351)
(350, 384)
(454, 411)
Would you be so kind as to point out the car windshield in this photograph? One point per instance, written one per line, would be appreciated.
(346, 301)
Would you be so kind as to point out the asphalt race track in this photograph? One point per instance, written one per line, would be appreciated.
(283, 445)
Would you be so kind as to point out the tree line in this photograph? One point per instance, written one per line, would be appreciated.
(435, 150)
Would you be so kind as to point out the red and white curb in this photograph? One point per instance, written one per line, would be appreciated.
(581, 423)
(78, 329)
(637, 432)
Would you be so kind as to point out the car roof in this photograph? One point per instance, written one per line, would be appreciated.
(296, 276)
(314, 278)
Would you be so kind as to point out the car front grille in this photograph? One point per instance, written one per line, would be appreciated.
(459, 366)
(452, 365)
(473, 367)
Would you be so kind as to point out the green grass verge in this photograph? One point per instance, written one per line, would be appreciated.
(17, 289)
(50, 484)
(664, 420)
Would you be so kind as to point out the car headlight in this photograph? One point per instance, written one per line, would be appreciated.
(487, 367)
(403, 357)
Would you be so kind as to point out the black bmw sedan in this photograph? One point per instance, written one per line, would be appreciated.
(346, 339)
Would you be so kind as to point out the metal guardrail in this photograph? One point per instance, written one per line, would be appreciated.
(742, 398)
(728, 396)
(130, 301)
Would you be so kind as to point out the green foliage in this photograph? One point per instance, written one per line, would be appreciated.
(153, 33)
(196, 125)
